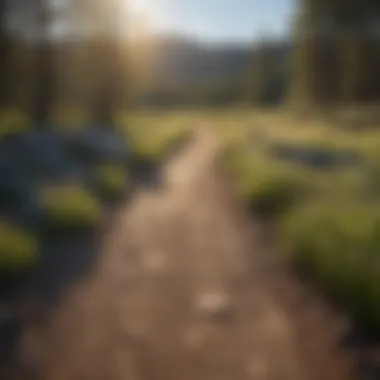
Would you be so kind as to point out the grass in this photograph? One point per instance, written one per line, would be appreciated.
(154, 135)
(18, 250)
(339, 244)
(13, 122)
(329, 220)
(267, 188)
(113, 180)
(69, 206)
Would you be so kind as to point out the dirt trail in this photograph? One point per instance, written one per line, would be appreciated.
(175, 295)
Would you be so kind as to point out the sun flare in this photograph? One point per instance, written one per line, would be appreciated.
(143, 15)
(141, 7)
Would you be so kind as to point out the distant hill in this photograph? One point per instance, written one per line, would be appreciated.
(175, 70)
(184, 61)
(183, 65)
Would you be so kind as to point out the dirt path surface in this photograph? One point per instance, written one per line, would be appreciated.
(177, 295)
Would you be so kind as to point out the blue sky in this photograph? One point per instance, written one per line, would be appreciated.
(220, 20)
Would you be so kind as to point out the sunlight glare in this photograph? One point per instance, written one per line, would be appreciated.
(141, 7)
(143, 15)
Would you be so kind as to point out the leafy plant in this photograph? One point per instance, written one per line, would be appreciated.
(274, 194)
(113, 179)
(18, 250)
(340, 245)
(154, 136)
(69, 206)
(269, 189)
(13, 122)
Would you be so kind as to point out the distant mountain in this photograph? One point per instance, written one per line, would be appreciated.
(182, 61)
(182, 64)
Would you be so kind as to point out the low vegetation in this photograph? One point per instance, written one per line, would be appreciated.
(88, 167)
(267, 188)
(113, 180)
(155, 135)
(12, 122)
(338, 244)
(327, 209)
(69, 206)
(18, 251)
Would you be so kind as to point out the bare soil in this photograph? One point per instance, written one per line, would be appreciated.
(186, 289)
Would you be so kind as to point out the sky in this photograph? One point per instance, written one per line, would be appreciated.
(218, 20)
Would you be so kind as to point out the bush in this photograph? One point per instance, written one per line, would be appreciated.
(155, 138)
(268, 188)
(13, 122)
(372, 175)
(340, 245)
(18, 250)
(330, 220)
(274, 194)
(113, 180)
(68, 206)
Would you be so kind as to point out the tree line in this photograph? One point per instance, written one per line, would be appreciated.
(335, 55)
(74, 52)
(332, 59)
(62, 53)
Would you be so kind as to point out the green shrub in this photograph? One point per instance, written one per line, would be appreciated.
(274, 194)
(153, 137)
(372, 176)
(13, 122)
(69, 206)
(340, 245)
(333, 229)
(18, 250)
(268, 188)
(228, 154)
(113, 179)
(177, 139)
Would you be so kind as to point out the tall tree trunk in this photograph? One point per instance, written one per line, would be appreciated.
(108, 97)
(44, 71)
(4, 56)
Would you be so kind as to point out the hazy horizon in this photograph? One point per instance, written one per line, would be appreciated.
(223, 21)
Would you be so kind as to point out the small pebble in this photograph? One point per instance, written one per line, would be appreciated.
(216, 306)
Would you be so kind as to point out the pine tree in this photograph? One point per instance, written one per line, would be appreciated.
(262, 75)
(45, 67)
(4, 55)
